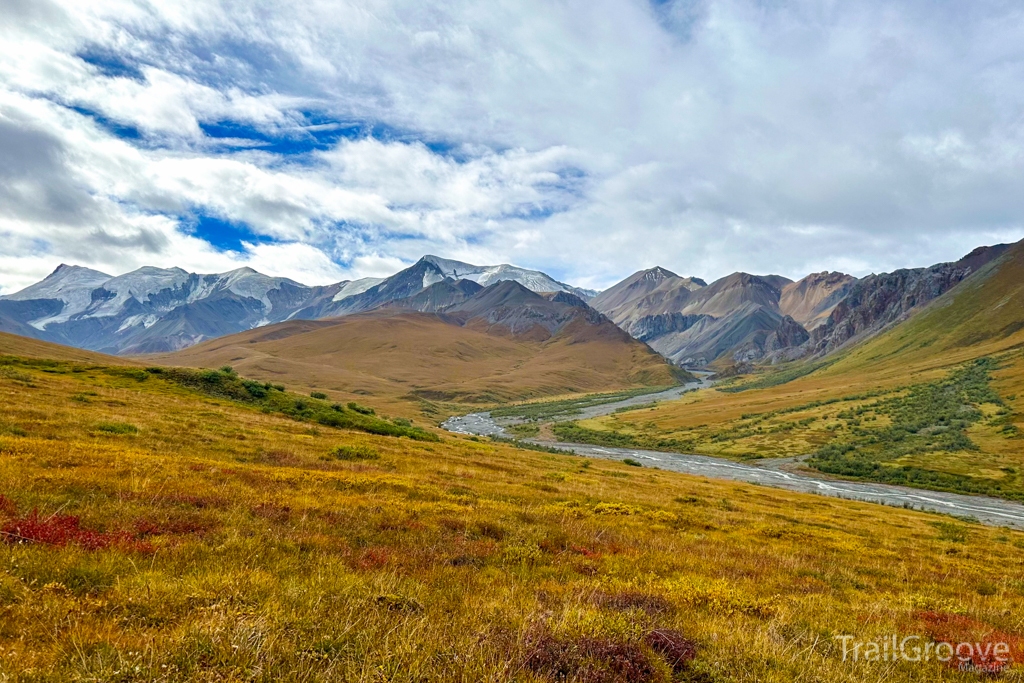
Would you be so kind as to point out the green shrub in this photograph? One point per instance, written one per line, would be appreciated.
(318, 394)
(272, 398)
(211, 376)
(363, 410)
(354, 453)
(525, 430)
(950, 531)
(402, 422)
(117, 428)
(7, 372)
(932, 417)
(528, 445)
(631, 462)
(255, 389)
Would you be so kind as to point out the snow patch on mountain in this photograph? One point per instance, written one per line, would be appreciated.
(357, 287)
(246, 282)
(141, 285)
(146, 321)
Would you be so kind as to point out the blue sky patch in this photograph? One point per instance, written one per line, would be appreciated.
(225, 235)
(320, 133)
(287, 142)
(121, 130)
(109, 63)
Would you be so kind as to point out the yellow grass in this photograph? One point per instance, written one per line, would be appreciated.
(264, 558)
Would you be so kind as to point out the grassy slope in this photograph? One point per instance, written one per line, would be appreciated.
(14, 345)
(983, 317)
(394, 359)
(240, 549)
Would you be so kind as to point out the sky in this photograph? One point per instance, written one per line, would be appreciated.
(325, 141)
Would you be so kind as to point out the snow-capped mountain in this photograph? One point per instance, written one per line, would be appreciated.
(72, 285)
(369, 293)
(153, 310)
(150, 309)
(488, 275)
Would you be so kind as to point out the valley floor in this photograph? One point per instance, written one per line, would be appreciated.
(786, 472)
(956, 429)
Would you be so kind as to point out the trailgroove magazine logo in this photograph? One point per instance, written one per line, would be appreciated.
(984, 656)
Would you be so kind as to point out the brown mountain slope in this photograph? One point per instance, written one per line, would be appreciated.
(935, 401)
(644, 293)
(725, 296)
(983, 315)
(736, 317)
(399, 357)
(810, 301)
(15, 345)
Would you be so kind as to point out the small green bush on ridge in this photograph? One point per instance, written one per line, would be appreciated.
(272, 398)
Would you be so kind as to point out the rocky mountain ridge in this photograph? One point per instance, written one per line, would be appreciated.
(746, 318)
(152, 310)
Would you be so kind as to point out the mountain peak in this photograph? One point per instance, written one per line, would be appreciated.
(534, 280)
(656, 273)
(65, 269)
(983, 255)
(244, 270)
(59, 283)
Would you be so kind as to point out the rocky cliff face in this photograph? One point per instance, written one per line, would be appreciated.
(878, 301)
(653, 326)
(787, 335)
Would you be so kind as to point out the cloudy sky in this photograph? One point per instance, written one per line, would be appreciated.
(331, 140)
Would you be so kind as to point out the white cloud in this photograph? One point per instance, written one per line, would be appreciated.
(588, 139)
(375, 265)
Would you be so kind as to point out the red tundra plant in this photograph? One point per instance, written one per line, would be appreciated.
(62, 530)
(972, 643)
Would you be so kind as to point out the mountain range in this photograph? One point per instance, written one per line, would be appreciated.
(745, 318)
(738, 319)
(153, 310)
